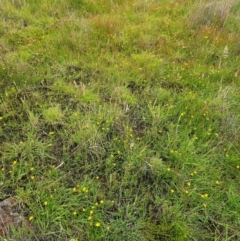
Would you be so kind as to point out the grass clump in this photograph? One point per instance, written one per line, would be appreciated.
(211, 13)
(119, 120)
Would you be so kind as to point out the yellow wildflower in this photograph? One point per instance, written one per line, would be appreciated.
(97, 224)
(85, 189)
(75, 213)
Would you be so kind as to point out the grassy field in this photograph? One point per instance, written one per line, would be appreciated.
(120, 120)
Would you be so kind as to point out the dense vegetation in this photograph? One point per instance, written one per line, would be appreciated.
(120, 120)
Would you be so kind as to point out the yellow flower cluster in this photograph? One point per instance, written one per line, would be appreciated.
(193, 173)
(204, 195)
(84, 189)
(77, 189)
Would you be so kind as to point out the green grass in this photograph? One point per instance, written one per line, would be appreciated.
(119, 120)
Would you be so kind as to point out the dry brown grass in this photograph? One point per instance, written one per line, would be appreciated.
(211, 13)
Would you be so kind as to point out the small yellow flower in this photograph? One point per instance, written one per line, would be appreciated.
(75, 213)
(205, 205)
(51, 133)
(32, 169)
(30, 218)
(45, 203)
(1, 117)
(91, 212)
(32, 177)
(83, 209)
(189, 184)
(168, 169)
(183, 113)
(97, 224)
(85, 189)
(194, 173)
(238, 166)
(89, 217)
(204, 195)
(186, 191)
(74, 189)
(172, 191)
(217, 182)
(108, 227)
(101, 201)
(14, 162)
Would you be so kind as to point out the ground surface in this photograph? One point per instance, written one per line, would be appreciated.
(119, 120)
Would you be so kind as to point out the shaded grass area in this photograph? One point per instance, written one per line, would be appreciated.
(119, 121)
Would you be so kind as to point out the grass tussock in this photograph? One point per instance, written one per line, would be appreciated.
(211, 13)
